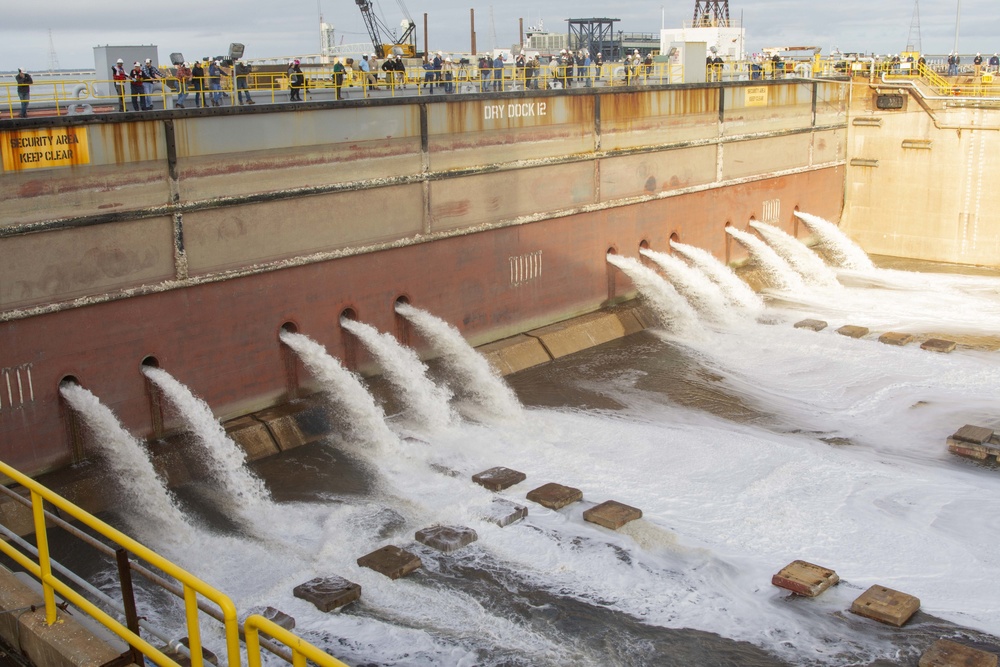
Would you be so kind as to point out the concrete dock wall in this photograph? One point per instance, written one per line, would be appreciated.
(188, 239)
(920, 181)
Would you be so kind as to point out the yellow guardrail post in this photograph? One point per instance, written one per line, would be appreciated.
(45, 564)
(301, 649)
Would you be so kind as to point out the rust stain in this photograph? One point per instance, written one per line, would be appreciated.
(452, 209)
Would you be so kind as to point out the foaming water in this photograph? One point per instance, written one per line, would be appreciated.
(403, 368)
(810, 265)
(474, 374)
(226, 460)
(672, 310)
(780, 274)
(362, 417)
(695, 286)
(737, 292)
(843, 251)
(144, 490)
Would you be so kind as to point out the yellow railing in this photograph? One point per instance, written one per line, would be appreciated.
(41, 567)
(301, 649)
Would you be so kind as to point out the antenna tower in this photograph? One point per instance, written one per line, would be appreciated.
(53, 58)
(711, 13)
(912, 45)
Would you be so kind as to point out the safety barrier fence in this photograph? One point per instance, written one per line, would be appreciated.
(322, 83)
(195, 593)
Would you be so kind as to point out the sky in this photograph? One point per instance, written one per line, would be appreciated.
(31, 31)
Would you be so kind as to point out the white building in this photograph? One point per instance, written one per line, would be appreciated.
(725, 41)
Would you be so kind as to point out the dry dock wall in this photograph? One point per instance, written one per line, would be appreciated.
(921, 175)
(188, 239)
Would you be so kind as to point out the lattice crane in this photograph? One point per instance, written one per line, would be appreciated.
(377, 28)
(711, 13)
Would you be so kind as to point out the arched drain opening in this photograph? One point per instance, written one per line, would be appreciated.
(612, 273)
(72, 419)
(153, 397)
(351, 343)
(290, 360)
(402, 325)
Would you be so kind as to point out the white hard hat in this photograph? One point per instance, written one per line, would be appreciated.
(447, 60)
(120, 60)
(148, 60)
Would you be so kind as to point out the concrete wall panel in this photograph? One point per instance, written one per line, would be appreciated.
(507, 195)
(471, 133)
(67, 264)
(746, 158)
(233, 237)
(650, 173)
(829, 146)
(649, 118)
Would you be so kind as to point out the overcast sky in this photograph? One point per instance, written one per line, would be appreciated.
(271, 28)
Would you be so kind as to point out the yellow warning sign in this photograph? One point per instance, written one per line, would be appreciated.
(44, 148)
(756, 96)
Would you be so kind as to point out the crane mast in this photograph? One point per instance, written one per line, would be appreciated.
(376, 28)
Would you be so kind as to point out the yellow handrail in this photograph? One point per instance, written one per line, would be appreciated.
(192, 587)
(301, 649)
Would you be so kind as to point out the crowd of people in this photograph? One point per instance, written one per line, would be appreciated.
(200, 79)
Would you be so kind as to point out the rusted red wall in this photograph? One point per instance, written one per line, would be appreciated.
(221, 338)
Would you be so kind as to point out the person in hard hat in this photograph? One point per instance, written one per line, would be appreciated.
(437, 65)
(365, 66)
(135, 81)
(183, 76)
(241, 77)
(296, 79)
(215, 82)
(150, 73)
(977, 63)
(119, 75)
(448, 73)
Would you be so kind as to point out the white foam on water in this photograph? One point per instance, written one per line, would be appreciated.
(672, 310)
(403, 368)
(705, 295)
(736, 291)
(845, 252)
(780, 274)
(469, 368)
(226, 460)
(809, 265)
(155, 508)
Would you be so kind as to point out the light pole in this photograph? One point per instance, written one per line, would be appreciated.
(958, 18)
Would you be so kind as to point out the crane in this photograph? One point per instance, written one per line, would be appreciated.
(406, 44)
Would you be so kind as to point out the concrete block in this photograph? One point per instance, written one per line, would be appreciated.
(503, 512)
(974, 442)
(579, 333)
(282, 422)
(446, 538)
(498, 478)
(631, 320)
(896, 338)
(938, 345)
(812, 325)
(555, 496)
(612, 514)
(391, 561)
(514, 354)
(946, 653)
(974, 434)
(886, 605)
(852, 331)
(278, 617)
(252, 436)
(328, 593)
(803, 578)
